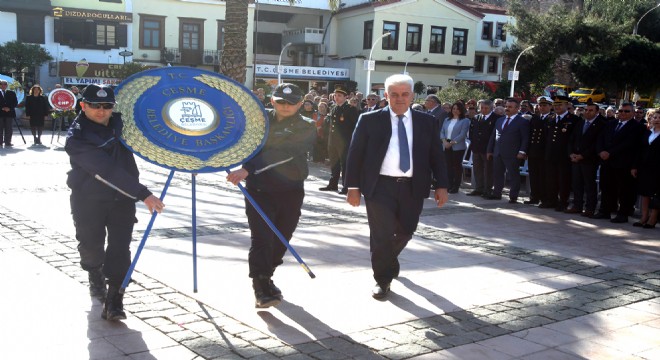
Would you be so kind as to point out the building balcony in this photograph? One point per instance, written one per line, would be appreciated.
(177, 56)
(304, 36)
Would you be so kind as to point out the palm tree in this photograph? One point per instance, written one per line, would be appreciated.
(234, 54)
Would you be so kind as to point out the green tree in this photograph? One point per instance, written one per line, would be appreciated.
(460, 90)
(16, 56)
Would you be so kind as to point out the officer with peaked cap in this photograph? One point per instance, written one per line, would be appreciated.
(104, 189)
(342, 119)
(557, 162)
(536, 151)
(275, 179)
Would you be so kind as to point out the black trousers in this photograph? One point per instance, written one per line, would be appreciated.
(584, 183)
(283, 210)
(6, 129)
(454, 167)
(535, 167)
(619, 188)
(483, 172)
(558, 181)
(92, 218)
(337, 153)
(393, 213)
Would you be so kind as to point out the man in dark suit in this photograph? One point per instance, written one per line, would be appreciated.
(480, 129)
(536, 150)
(617, 148)
(372, 103)
(393, 153)
(434, 107)
(557, 163)
(341, 122)
(8, 102)
(507, 147)
(584, 160)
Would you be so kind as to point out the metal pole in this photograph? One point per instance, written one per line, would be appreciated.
(127, 278)
(194, 231)
(513, 81)
(408, 59)
(368, 89)
(279, 64)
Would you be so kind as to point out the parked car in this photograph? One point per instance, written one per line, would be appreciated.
(584, 95)
(557, 89)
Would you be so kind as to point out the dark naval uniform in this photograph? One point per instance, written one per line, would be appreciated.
(341, 123)
(104, 189)
(557, 162)
(276, 182)
(536, 157)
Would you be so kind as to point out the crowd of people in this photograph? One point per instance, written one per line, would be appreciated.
(585, 160)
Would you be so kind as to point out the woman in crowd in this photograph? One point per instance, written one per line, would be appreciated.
(320, 152)
(453, 134)
(647, 172)
(36, 109)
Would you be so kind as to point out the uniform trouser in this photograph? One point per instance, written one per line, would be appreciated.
(92, 218)
(483, 172)
(584, 183)
(393, 213)
(454, 167)
(283, 210)
(558, 175)
(337, 153)
(535, 167)
(6, 129)
(512, 168)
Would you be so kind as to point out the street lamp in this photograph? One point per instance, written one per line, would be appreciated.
(279, 64)
(406, 66)
(368, 89)
(513, 78)
(625, 94)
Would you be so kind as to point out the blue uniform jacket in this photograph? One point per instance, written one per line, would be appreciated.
(102, 168)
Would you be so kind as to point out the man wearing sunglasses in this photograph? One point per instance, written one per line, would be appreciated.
(275, 179)
(104, 182)
(618, 145)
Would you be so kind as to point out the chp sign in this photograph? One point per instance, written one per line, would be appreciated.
(62, 99)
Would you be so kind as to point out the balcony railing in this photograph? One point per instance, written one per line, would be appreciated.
(190, 57)
(309, 36)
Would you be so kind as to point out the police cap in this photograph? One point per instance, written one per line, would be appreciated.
(98, 94)
(287, 92)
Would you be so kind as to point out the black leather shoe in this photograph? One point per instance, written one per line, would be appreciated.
(380, 291)
(329, 188)
(639, 224)
(493, 197)
(343, 191)
(544, 205)
(97, 287)
(619, 219)
(474, 193)
(275, 291)
(530, 202)
(263, 294)
(648, 226)
(113, 308)
(513, 201)
(600, 215)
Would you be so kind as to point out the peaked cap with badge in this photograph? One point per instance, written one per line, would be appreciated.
(98, 94)
(340, 88)
(287, 92)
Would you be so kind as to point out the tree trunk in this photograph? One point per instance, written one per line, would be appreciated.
(234, 54)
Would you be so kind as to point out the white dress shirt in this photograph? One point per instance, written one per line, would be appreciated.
(390, 166)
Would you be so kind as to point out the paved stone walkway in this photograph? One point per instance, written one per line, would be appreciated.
(480, 280)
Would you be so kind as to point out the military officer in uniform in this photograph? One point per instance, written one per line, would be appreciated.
(536, 151)
(342, 120)
(557, 162)
(479, 134)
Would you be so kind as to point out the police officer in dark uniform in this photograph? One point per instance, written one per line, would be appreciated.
(536, 151)
(342, 120)
(104, 188)
(274, 178)
(557, 162)
(481, 127)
